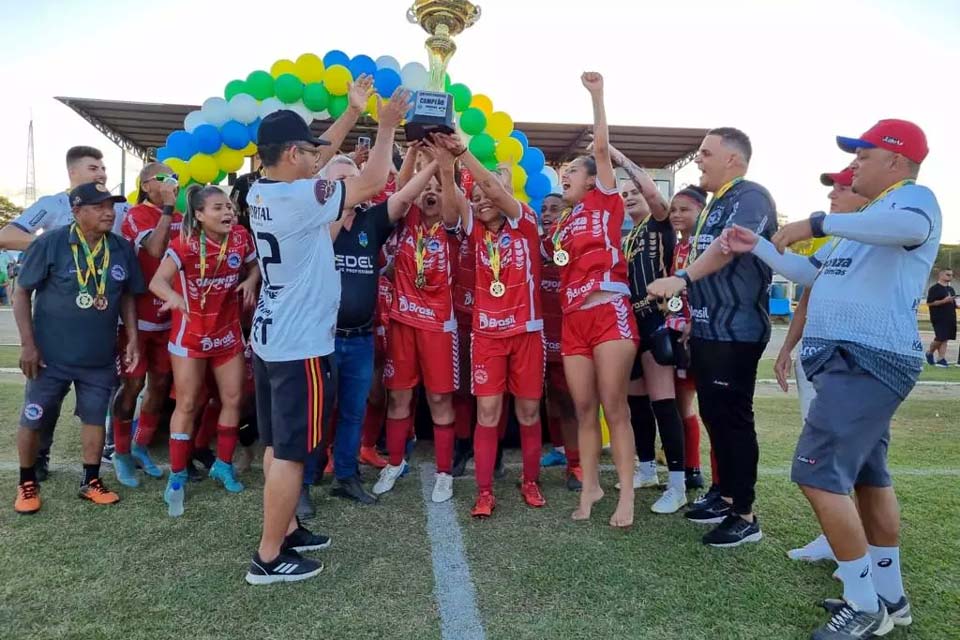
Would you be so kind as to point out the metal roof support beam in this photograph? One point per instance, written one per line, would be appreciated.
(113, 136)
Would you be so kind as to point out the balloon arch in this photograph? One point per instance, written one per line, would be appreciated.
(216, 139)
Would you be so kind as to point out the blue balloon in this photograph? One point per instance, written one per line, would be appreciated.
(522, 137)
(163, 153)
(537, 206)
(533, 161)
(386, 81)
(362, 64)
(235, 135)
(252, 129)
(335, 57)
(182, 145)
(208, 138)
(538, 186)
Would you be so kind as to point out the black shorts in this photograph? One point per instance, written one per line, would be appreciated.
(43, 396)
(943, 331)
(294, 405)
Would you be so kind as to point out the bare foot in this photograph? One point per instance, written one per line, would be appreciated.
(622, 518)
(587, 500)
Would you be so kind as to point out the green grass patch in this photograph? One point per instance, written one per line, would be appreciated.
(929, 373)
(9, 356)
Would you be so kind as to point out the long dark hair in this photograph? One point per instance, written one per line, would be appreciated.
(196, 199)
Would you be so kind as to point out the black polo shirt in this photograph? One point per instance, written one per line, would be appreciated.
(65, 333)
(357, 250)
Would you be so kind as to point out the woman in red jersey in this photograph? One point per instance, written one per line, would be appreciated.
(206, 264)
(599, 341)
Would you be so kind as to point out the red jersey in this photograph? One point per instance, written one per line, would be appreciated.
(215, 328)
(550, 301)
(517, 244)
(137, 225)
(681, 252)
(388, 190)
(429, 306)
(465, 281)
(590, 235)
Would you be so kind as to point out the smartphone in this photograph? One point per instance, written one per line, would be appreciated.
(363, 142)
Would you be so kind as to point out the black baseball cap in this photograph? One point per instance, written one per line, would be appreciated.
(92, 193)
(285, 126)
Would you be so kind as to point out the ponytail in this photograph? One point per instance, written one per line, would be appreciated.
(196, 199)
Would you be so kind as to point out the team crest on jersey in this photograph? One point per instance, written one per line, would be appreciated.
(233, 260)
(363, 239)
(433, 246)
(33, 411)
(324, 190)
(480, 376)
(577, 209)
(504, 242)
(388, 369)
(714, 217)
(117, 272)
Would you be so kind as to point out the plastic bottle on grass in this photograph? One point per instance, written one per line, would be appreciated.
(175, 505)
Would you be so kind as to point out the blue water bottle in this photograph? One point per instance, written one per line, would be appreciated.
(175, 503)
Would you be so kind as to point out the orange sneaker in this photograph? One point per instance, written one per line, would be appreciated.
(575, 478)
(95, 492)
(28, 498)
(369, 456)
(531, 494)
(483, 508)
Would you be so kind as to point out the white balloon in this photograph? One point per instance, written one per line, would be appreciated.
(270, 105)
(321, 115)
(243, 108)
(215, 111)
(388, 62)
(301, 110)
(414, 76)
(193, 120)
(551, 173)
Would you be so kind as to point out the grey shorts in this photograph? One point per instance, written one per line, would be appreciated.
(847, 431)
(44, 395)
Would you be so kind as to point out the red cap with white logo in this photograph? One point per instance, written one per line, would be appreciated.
(899, 136)
(843, 178)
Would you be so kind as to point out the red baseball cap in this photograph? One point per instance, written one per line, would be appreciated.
(899, 136)
(843, 178)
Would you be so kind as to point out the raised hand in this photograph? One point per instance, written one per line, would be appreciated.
(395, 109)
(439, 150)
(360, 91)
(737, 240)
(593, 81)
(792, 232)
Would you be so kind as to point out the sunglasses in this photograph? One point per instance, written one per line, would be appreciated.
(165, 177)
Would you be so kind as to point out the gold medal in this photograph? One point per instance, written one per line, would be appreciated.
(674, 304)
(561, 258)
(497, 289)
(100, 303)
(84, 300)
(420, 281)
(420, 254)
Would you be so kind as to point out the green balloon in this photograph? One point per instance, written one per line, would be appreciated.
(338, 104)
(446, 82)
(473, 121)
(234, 87)
(315, 96)
(461, 98)
(260, 85)
(289, 88)
(483, 147)
(182, 200)
(220, 176)
(491, 165)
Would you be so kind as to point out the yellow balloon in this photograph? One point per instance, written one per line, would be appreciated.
(228, 160)
(180, 168)
(483, 103)
(132, 198)
(518, 176)
(508, 150)
(309, 68)
(336, 79)
(500, 125)
(281, 67)
(249, 150)
(203, 168)
(372, 108)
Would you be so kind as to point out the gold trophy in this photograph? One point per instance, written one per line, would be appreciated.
(442, 19)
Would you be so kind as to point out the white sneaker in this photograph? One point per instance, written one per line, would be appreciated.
(671, 501)
(443, 487)
(643, 479)
(388, 478)
(814, 551)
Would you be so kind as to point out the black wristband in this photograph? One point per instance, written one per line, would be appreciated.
(167, 210)
(816, 224)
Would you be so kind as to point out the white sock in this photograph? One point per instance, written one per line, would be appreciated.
(886, 572)
(677, 479)
(858, 589)
(648, 467)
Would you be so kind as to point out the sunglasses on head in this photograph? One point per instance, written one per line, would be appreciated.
(165, 177)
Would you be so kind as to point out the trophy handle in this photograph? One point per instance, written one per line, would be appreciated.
(412, 16)
(473, 17)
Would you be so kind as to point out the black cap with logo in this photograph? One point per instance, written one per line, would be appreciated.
(92, 193)
(285, 126)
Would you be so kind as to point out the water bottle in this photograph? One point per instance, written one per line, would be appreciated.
(175, 503)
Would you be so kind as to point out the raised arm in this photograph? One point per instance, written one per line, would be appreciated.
(409, 166)
(593, 82)
(890, 228)
(490, 182)
(399, 203)
(156, 242)
(15, 238)
(648, 188)
(360, 91)
(454, 207)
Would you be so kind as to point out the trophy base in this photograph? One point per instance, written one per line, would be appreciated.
(420, 130)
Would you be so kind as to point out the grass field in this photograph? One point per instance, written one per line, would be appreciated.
(929, 373)
(76, 571)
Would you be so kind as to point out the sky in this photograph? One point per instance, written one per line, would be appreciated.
(792, 74)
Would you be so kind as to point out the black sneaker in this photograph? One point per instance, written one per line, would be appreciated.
(899, 611)
(302, 539)
(462, 452)
(106, 457)
(289, 566)
(847, 623)
(205, 457)
(694, 479)
(305, 508)
(712, 494)
(352, 489)
(499, 470)
(733, 532)
(193, 473)
(41, 467)
(711, 511)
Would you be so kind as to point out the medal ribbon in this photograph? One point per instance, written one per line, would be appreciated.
(203, 264)
(493, 251)
(630, 243)
(557, 230)
(83, 277)
(719, 193)
(420, 253)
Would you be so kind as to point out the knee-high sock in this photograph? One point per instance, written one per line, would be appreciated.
(671, 431)
(485, 444)
(121, 435)
(531, 441)
(180, 447)
(443, 437)
(555, 427)
(691, 442)
(226, 442)
(146, 427)
(463, 412)
(372, 425)
(644, 427)
(397, 430)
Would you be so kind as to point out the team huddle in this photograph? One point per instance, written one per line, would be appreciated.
(338, 285)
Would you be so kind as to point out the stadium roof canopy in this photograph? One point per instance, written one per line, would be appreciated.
(142, 127)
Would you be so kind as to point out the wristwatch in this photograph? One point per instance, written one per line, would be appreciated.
(682, 273)
(816, 224)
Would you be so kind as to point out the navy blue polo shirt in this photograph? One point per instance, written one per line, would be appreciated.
(65, 333)
(358, 250)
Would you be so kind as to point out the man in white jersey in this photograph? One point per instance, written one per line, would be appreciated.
(84, 165)
(862, 351)
(296, 316)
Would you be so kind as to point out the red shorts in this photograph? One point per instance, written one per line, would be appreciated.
(514, 362)
(556, 378)
(414, 354)
(584, 329)
(154, 357)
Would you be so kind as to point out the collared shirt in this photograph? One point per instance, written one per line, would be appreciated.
(50, 212)
(65, 333)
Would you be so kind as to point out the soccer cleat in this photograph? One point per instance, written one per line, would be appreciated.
(733, 532)
(575, 478)
(532, 495)
(302, 540)
(223, 473)
(388, 477)
(930, 360)
(41, 467)
(643, 479)
(554, 458)
(671, 501)
(814, 551)
(693, 479)
(142, 457)
(369, 456)
(712, 512)
(305, 508)
(28, 498)
(483, 507)
(943, 364)
(712, 493)
(194, 474)
(97, 493)
(205, 457)
(442, 487)
(847, 623)
(289, 566)
(899, 611)
(107, 456)
(125, 470)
